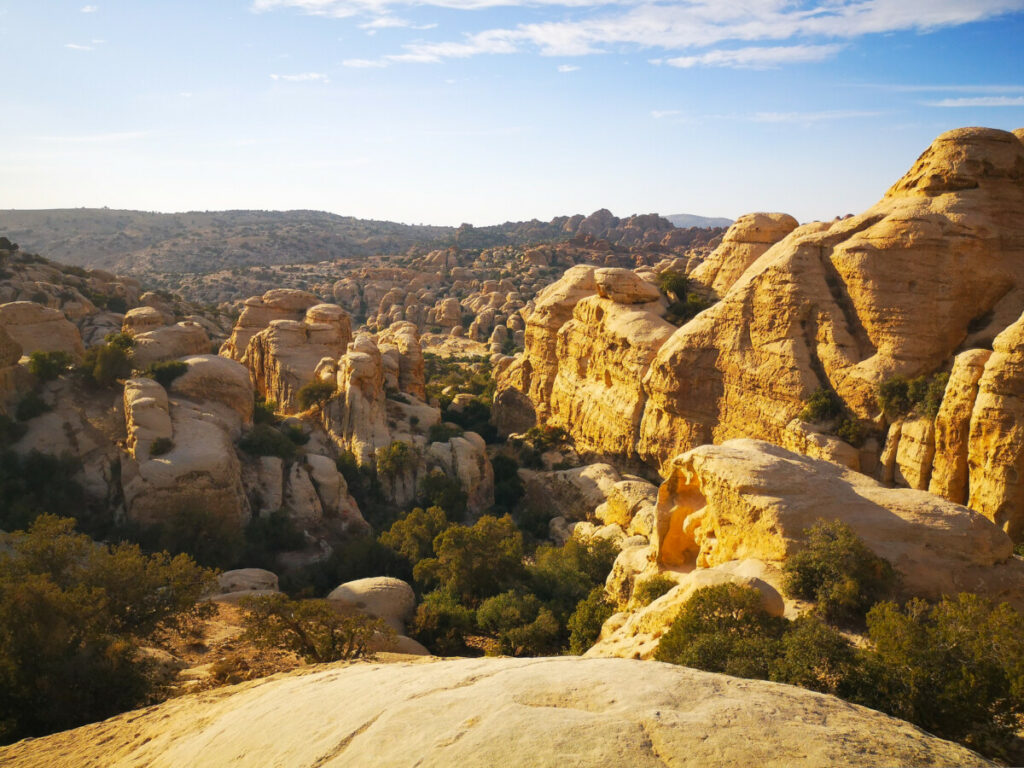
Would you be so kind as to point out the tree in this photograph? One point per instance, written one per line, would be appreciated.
(72, 616)
(522, 625)
(586, 621)
(314, 393)
(47, 366)
(442, 623)
(412, 536)
(314, 629)
(475, 562)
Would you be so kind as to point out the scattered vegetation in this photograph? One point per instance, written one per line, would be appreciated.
(167, 371)
(443, 432)
(822, 405)
(396, 459)
(264, 411)
(316, 393)
(265, 440)
(103, 365)
(47, 366)
(898, 396)
(30, 406)
(651, 589)
(36, 484)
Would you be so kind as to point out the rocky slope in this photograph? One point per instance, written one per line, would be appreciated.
(548, 712)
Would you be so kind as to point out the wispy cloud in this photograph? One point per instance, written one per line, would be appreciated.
(89, 8)
(931, 88)
(392, 22)
(303, 77)
(567, 68)
(658, 114)
(79, 47)
(768, 57)
(979, 101)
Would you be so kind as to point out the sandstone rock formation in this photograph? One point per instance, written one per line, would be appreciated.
(36, 328)
(169, 343)
(259, 311)
(380, 596)
(744, 243)
(482, 713)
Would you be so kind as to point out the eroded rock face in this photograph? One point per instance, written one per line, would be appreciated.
(10, 350)
(283, 357)
(169, 343)
(259, 311)
(404, 338)
(953, 424)
(36, 328)
(357, 418)
(590, 713)
(744, 243)
(749, 499)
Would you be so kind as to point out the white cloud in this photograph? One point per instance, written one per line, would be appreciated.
(89, 8)
(980, 101)
(657, 114)
(78, 47)
(303, 77)
(363, 63)
(567, 68)
(392, 22)
(757, 57)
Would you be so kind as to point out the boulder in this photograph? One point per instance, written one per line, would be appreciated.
(247, 580)
(169, 343)
(36, 328)
(380, 596)
(625, 287)
(744, 242)
(259, 311)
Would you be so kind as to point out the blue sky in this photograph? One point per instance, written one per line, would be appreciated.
(444, 111)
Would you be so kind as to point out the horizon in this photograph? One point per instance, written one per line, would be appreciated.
(487, 111)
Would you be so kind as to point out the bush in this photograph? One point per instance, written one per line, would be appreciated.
(212, 539)
(562, 576)
(313, 629)
(899, 397)
(102, 366)
(412, 535)
(545, 438)
(442, 623)
(837, 570)
(822, 405)
(816, 656)
(362, 482)
(264, 440)
(586, 621)
(264, 411)
(681, 312)
(673, 284)
(442, 433)
(161, 446)
(266, 536)
(124, 341)
(520, 623)
(439, 490)
(508, 488)
(954, 668)
(724, 628)
(167, 371)
(315, 393)
(47, 366)
(295, 433)
(30, 406)
(474, 563)
(37, 484)
(397, 459)
(851, 430)
(651, 589)
(73, 615)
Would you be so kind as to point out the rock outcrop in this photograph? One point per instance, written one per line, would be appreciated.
(259, 311)
(743, 243)
(477, 713)
(36, 328)
(169, 342)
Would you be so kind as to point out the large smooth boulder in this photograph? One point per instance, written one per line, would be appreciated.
(36, 328)
(380, 596)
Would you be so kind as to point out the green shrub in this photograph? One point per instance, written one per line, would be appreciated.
(681, 312)
(587, 619)
(439, 490)
(102, 366)
(898, 396)
(47, 366)
(315, 393)
(167, 371)
(74, 614)
(412, 535)
(313, 629)
(954, 669)
(214, 540)
(724, 628)
(520, 623)
(851, 430)
(651, 589)
(363, 484)
(396, 459)
(30, 406)
(837, 570)
(822, 405)
(508, 488)
(816, 656)
(442, 433)
(547, 437)
(161, 446)
(264, 440)
(562, 576)
(266, 536)
(123, 340)
(36, 484)
(442, 623)
(295, 433)
(475, 562)
(264, 411)
(673, 284)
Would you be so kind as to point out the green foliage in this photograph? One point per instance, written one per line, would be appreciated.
(681, 312)
(547, 437)
(396, 459)
(47, 366)
(30, 406)
(956, 668)
(724, 628)
(124, 341)
(439, 490)
(520, 623)
(562, 576)
(315, 393)
(651, 589)
(412, 535)
(72, 616)
(474, 416)
(264, 411)
(264, 440)
(822, 405)
(587, 619)
(442, 623)
(161, 446)
(471, 375)
(166, 371)
(362, 482)
(475, 562)
(37, 484)
(898, 396)
(816, 656)
(673, 284)
(837, 570)
(508, 488)
(851, 430)
(313, 629)
(443, 432)
(294, 432)
(102, 366)
(266, 536)
(213, 539)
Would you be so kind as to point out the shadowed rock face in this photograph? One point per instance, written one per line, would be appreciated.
(491, 712)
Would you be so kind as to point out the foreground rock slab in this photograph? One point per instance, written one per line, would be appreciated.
(564, 712)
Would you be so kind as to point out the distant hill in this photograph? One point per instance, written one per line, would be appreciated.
(139, 242)
(689, 220)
